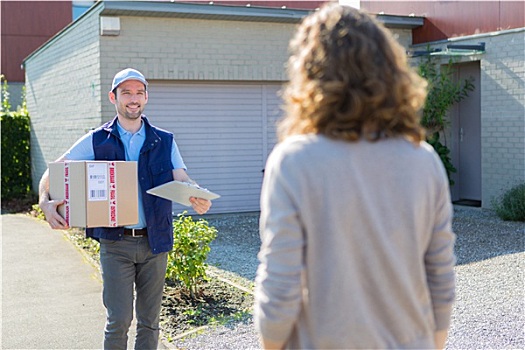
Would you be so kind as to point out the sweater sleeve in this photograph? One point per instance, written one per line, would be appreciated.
(278, 291)
(440, 258)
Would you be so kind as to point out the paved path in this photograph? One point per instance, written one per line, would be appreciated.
(51, 295)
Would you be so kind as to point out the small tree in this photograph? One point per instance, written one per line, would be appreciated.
(443, 92)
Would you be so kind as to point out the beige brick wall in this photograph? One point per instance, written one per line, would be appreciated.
(503, 113)
(193, 49)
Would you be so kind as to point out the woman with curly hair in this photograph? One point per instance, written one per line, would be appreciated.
(357, 241)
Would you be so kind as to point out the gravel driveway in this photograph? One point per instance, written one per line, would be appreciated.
(489, 312)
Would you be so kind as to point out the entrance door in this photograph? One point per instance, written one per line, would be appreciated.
(466, 128)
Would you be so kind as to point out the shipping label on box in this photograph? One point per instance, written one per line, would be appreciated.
(96, 193)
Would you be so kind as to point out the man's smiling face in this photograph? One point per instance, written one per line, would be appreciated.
(130, 99)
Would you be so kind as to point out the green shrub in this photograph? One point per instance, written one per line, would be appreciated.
(37, 212)
(511, 205)
(187, 260)
(16, 159)
(444, 155)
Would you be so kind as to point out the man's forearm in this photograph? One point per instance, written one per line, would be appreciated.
(43, 188)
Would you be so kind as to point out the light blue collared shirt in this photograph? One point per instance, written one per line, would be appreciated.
(83, 150)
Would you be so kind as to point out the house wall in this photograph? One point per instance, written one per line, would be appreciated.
(403, 36)
(69, 78)
(196, 50)
(502, 113)
(502, 109)
(63, 92)
(446, 19)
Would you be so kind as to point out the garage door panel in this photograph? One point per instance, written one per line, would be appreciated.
(183, 109)
(219, 142)
(233, 150)
(198, 90)
(207, 164)
(221, 131)
(274, 115)
(217, 168)
(220, 101)
(217, 145)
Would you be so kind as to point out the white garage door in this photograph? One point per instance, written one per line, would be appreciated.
(224, 131)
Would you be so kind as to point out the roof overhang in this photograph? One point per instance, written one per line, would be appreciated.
(400, 22)
(202, 11)
(451, 50)
(173, 9)
(236, 13)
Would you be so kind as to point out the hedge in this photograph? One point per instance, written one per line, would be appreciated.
(16, 159)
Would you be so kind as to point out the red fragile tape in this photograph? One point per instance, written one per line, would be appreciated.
(66, 192)
(112, 194)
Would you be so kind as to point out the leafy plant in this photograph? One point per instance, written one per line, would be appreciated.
(6, 105)
(15, 139)
(90, 246)
(511, 205)
(444, 154)
(187, 260)
(37, 212)
(443, 92)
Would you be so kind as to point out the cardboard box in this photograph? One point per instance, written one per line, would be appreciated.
(97, 193)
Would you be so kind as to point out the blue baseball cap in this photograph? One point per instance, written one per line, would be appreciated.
(127, 74)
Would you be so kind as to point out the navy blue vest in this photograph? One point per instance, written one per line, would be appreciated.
(154, 169)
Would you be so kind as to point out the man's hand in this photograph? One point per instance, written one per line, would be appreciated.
(53, 218)
(49, 207)
(200, 205)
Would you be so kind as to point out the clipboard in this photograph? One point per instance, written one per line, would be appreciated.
(181, 192)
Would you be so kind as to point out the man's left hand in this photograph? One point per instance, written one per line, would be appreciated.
(200, 205)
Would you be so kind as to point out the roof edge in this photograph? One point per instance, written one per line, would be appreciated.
(214, 12)
(400, 22)
(203, 11)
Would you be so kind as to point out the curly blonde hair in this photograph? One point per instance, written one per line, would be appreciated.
(349, 79)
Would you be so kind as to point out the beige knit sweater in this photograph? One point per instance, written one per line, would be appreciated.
(357, 245)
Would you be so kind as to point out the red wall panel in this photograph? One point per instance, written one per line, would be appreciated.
(512, 14)
(446, 19)
(25, 26)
